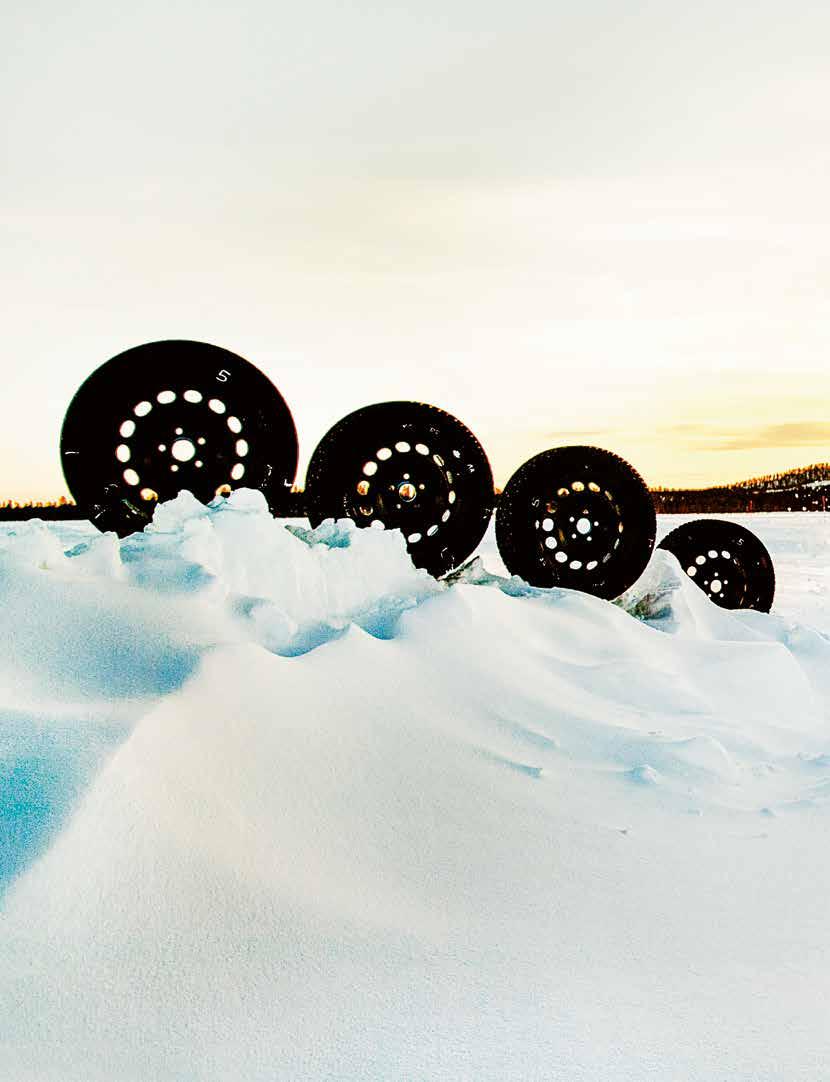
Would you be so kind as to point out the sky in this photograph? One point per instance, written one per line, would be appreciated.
(596, 223)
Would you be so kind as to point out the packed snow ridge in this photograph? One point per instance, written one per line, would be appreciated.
(274, 804)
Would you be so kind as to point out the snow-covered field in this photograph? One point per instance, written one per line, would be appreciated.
(273, 810)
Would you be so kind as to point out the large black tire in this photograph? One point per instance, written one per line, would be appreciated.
(728, 562)
(169, 416)
(579, 517)
(407, 466)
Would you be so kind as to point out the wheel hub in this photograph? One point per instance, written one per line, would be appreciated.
(403, 485)
(579, 527)
(718, 574)
(165, 441)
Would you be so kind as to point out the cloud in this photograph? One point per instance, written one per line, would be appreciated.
(714, 437)
(791, 434)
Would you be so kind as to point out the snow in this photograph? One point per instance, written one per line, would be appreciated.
(274, 804)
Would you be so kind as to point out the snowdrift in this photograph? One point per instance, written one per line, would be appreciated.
(275, 804)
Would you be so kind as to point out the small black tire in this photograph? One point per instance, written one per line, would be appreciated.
(174, 415)
(578, 517)
(407, 466)
(728, 562)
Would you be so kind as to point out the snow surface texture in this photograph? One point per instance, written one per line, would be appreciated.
(276, 805)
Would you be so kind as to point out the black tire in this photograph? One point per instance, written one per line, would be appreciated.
(127, 444)
(728, 562)
(407, 466)
(578, 517)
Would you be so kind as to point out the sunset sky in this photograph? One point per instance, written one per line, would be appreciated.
(596, 222)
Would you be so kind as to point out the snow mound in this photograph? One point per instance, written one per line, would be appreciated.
(276, 804)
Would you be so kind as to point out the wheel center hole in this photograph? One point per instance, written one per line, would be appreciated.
(407, 491)
(583, 526)
(183, 450)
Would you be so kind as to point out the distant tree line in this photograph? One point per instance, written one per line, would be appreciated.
(806, 489)
(15, 510)
(819, 473)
